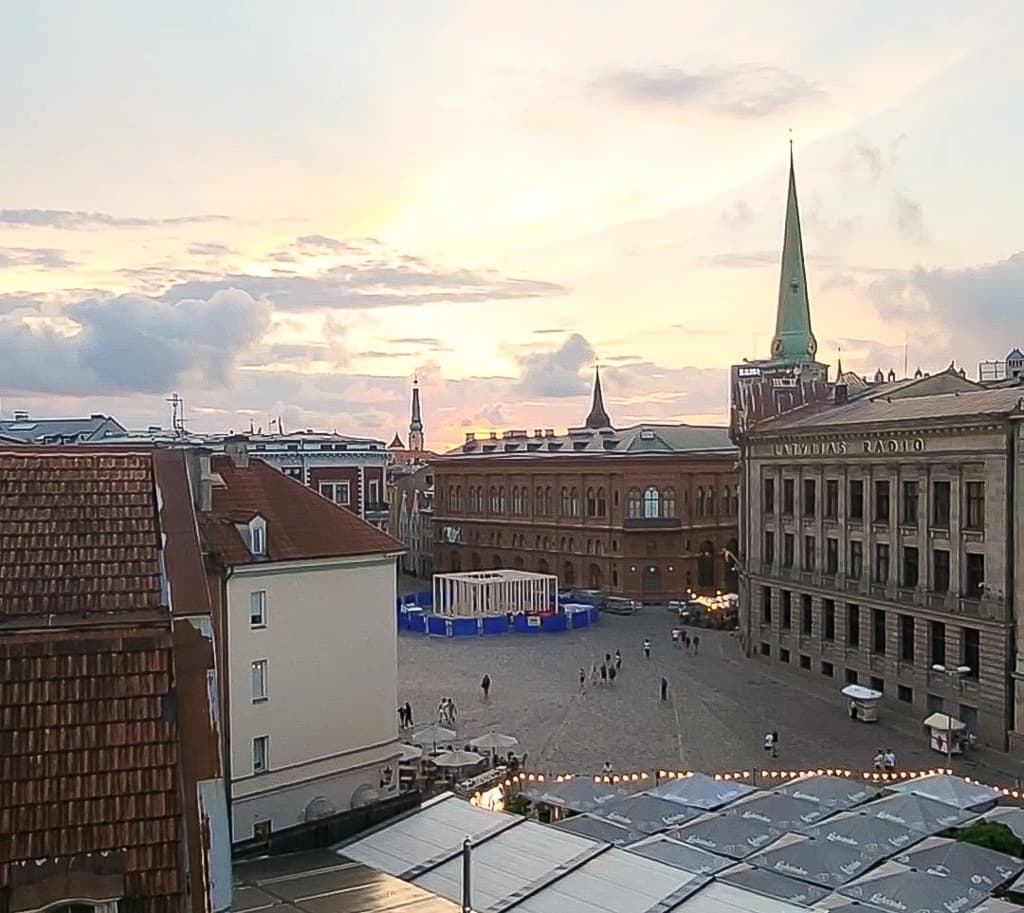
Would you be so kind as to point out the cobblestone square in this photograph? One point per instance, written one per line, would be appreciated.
(720, 704)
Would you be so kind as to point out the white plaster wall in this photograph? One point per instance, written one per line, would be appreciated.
(331, 650)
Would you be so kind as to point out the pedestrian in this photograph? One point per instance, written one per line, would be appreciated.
(401, 717)
(767, 741)
(593, 673)
(696, 643)
(453, 711)
(889, 760)
(675, 637)
(611, 675)
(664, 688)
(608, 659)
(583, 678)
(408, 715)
(604, 672)
(618, 659)
(686, 641)
(607, 767)
(485, 685)
(775, 743)
(879, 760)
(853, 710)
(647, 648)
(442, 711)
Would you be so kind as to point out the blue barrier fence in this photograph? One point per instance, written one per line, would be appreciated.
(416, 618)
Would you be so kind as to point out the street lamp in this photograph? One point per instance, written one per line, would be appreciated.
(953, 674)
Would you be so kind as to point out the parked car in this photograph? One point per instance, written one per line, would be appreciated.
(619, 605)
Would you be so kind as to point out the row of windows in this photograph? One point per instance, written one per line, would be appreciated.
(909, 572)
(970, 638)
(910, 502)
(650, 502)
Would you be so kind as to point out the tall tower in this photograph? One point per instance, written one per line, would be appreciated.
(598, 417)
(793, 343)
(415, 419)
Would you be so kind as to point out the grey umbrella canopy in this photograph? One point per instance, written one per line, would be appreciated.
(815, 859)
(772, 884)
(682, 856)
(955, 791)
(494, 741)
(896, 887)
(782, 812)
(702, 791)
(727, 835)
(973, 865)
(867, 833)
(917, 813)
(410, 752)
(647, 814)
(833, 793)
(431, 735)
(458, 758)
(578, 794)
(598, 829)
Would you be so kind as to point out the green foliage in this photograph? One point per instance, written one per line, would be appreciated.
(518, 804)
(992, 836)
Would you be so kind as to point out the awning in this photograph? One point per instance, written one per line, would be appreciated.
(944, 722)
(860, 693)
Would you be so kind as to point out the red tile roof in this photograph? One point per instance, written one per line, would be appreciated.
(301, 524)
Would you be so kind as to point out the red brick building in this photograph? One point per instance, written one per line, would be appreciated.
(111, 794)
(646, 511)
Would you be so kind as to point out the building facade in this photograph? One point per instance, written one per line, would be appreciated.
(304, 608)
(880, 525)
(645, 512)
(411, 501)
(23, 427)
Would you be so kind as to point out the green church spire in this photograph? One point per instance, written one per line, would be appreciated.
(793, 343)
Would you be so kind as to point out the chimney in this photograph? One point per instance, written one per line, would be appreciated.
(842, 394)
(538, 432)
(20, 416)
(237, 447)
(470, 436)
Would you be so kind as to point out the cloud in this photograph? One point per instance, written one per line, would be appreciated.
(79, 219)
(431, 343)
(323, 243)
(33, 258)
(738, 215)
(744, 91)
(209, 249)
(556, 372)
(132, 344)
(737, 260)
(867, 161)
(909, 219)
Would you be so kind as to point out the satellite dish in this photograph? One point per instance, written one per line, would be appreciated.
(320, 807)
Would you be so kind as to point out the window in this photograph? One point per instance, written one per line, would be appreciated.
(338, 492)
(375, 494)
(805, 662)
(766, 649)
(261, 754)
(810, 497)
(940, 505)
(882, 502)
(853, 624)
(940, 570)
(806, 616)
(591, 503)
(259, 680)
(878, 631)
(831, 556)
(808, 553)
(881, 562)
(831, 499)
(911, 573)
(856, 511)
(970, 638)
(700, 501)
(766, 605)
(787, 497)
(783, 654)
(827, 669)
(975, 575)
(910, 498)
(907, 638)
(634, 504)
(787, 549)
(668, 502)
(768, 487)
(652, 503)
(602, 503)
(851, 676)
(856, 568)
(877, 684)
(828, 610)
(937, 642)
(905, 694)
(769, 547)
(258, 609)
(258, 536)
(975, 505)
(574, 502)
(787, 609)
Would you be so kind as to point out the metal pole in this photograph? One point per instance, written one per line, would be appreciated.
(467, 894)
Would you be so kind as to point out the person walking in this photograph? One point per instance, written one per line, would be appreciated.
(604, 672)
(408, 715)
(594, 674)
(611, 675)
(583, 679)
(485, 685)
(696, 643)
(647, 648)
(401, 718)
(618, 659)
(664, 688)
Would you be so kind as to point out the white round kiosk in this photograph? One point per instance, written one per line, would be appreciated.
(862, 703)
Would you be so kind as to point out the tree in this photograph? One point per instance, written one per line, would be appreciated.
(992, 836)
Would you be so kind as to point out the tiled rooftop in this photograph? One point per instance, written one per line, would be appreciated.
(301, 524)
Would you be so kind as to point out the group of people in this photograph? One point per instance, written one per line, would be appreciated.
(447, 712)
(605, 673)
(405, 716)
(885, 760)
(682, 637)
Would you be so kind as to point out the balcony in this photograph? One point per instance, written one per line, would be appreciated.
(652, 523)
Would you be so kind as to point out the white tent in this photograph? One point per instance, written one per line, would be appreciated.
(470, 594)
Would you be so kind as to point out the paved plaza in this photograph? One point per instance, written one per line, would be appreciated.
(720, 704)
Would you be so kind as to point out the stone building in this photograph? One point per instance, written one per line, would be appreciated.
(880, 527)
(645, 511)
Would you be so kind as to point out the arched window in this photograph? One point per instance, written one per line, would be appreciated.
(538, 502)
(574, 503)
(634, 504)
(590, 546)
(652, 503)
(709, 503)
(668, 502)
(565, 502)
(515, 500)
(524, 500)
(549, 507)
(501, 500)
(492, 500)
(700, 501)
(591, 503)
(572, 545)
(602, 503)
(598, 547)
(561, 547)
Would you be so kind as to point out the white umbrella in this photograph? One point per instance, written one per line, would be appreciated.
(458, 758)
(493, 741)
(433, 734)
(410, 752)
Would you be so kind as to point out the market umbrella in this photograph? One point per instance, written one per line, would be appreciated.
(494, 741)
(433, 734)
(458, 758)
(410, 752)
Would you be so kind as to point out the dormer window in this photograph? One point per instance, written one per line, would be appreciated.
(258, 537)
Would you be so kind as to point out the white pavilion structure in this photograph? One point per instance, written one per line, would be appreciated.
(475, 593)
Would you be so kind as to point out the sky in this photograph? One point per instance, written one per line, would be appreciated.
(292, 209)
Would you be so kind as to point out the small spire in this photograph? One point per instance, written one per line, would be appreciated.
(598, 417)
(415, 418)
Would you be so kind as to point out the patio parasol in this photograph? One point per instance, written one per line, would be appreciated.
(458, 758)
(410, 752)
(494, 741)
(433, 734)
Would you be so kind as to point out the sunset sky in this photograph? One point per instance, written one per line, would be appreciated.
(290, 208)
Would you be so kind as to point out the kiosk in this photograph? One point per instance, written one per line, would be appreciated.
(947, 734)
(862, 703)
